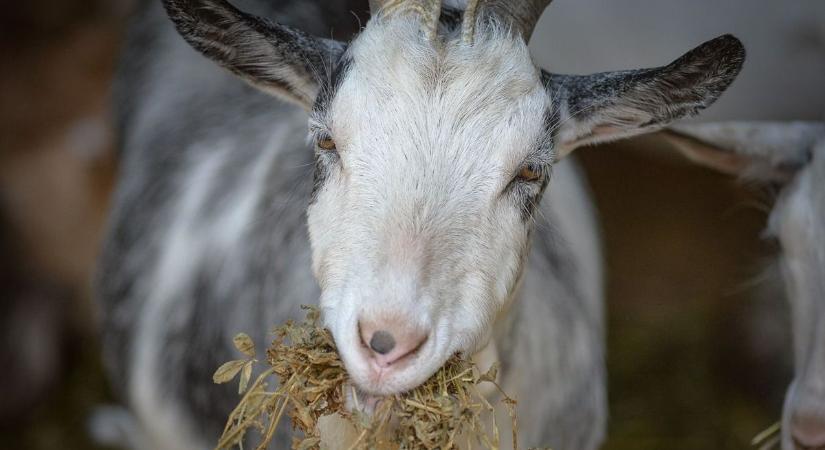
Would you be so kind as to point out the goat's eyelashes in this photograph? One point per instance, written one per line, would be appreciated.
(531, 173)
(326, 143)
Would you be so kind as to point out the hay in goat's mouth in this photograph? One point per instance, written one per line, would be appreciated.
(445, 412)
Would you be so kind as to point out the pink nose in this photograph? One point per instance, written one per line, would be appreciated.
(391, 341)
(808, 431)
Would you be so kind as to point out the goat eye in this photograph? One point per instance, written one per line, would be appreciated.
(530, 172)
(326, 143)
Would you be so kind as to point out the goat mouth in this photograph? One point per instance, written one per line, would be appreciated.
(375, 381)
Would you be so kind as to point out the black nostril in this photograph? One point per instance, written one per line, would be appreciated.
(382, 342)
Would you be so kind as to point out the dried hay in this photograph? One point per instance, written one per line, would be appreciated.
(443, 412)
(768, 438)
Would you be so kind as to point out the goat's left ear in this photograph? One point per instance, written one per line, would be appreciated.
(275, 58)
(614, 105)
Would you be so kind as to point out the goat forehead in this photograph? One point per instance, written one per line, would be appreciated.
(404, 97)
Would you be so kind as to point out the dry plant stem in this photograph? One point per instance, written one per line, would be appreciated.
(314, 384)
(273, 425)
(768, 438)
(358, 441)
(227, 440)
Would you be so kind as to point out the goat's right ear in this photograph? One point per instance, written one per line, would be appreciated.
(764, 151)
(272, 57)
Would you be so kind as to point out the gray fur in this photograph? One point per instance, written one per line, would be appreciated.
(207, 235)
(259, 51)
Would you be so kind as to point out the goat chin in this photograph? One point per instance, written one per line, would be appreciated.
(338, 433)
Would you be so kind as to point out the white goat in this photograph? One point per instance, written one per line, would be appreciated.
(792, 155)
(434, 139)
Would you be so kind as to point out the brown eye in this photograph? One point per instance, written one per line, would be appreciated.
(326, 144)
(530, 172)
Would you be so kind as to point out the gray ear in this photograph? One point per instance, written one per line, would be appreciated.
(272, 57)
(614, 105)
(765, 151)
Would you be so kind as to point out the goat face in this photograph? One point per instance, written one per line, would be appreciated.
(433, 148)
(421, 216)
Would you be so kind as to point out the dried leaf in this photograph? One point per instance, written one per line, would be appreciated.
(244, 344)
(227, 371)
(245, 376)
(490, 375)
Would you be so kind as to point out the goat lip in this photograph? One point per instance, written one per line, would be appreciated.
(379, 369)
(379, 381)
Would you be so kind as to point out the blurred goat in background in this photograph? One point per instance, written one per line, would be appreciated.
(793, 156)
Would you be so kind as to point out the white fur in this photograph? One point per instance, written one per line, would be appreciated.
(799, 222)
(416, 221)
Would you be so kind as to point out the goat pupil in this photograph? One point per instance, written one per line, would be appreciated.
(326, 144)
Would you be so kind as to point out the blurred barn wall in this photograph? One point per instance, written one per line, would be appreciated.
(56, 172)
(696, 353)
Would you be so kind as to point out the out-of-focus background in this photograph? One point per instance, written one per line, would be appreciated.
(698, 339)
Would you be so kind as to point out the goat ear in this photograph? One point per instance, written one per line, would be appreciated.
(765, 151)
(614, 105)
(277, 59)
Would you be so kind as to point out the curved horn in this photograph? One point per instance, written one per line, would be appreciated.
(522, 15)
(429, 10)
